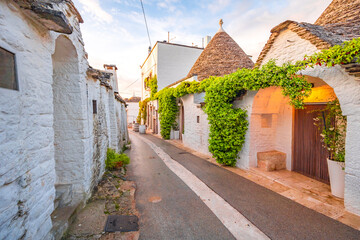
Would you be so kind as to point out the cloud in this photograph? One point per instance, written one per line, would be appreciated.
(170, 5)
(218, 5)
(93, 7)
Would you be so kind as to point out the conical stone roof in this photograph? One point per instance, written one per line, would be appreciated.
(340, 12)
(220, 57)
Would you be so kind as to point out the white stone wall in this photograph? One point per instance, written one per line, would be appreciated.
(174, 62)
(270, 125)
(149, 67)
(195, 135)
(27, 119)
(245, 103)
(289, 47)
(132, 111)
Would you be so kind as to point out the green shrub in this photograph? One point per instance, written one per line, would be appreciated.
(115, 160)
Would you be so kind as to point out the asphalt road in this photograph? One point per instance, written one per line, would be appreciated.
(168, 208)
(278, 217)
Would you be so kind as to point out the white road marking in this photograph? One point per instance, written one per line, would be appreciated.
(235, 222)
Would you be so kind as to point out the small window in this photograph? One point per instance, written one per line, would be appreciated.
(94, 107)
(8, 77)
(266, 120)
(198, 119)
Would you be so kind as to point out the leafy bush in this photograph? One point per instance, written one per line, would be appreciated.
(332, 125)
(115, 160)
(142, 111)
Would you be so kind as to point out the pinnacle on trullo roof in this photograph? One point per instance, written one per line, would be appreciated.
(220, 57)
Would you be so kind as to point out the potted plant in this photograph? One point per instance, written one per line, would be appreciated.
(332, 125)
(176, 130)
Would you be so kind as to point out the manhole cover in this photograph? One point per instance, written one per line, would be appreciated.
(121, 223)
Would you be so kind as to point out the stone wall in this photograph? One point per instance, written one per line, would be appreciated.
(196, 134)
(288, 46)
(52, 147)
(270, 124)
(132, 111)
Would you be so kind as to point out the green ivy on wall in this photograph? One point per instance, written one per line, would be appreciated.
(142, 111)
(151, 83)
(228, 125)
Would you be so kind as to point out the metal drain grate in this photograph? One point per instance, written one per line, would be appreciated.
(182, 152)
(121, 223)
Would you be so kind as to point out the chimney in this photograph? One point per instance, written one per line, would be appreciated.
(112, 69)
(206, 41)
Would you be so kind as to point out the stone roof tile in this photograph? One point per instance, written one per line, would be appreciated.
(340, 11)
(220, 57)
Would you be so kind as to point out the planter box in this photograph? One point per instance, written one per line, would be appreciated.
(142, 129)
(337, 178)
(176, 134)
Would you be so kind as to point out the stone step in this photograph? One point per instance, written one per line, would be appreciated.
(62, 217)
(271, 160)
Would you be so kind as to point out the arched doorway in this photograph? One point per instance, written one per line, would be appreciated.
(309, 154)
(275, 125)
(68, 123)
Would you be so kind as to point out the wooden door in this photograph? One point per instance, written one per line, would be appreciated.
(309, 155)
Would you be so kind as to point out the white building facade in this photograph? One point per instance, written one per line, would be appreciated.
(56, 121)
(169, 62)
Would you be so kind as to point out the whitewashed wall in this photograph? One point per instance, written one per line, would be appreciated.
(245, 103)
(289, 47)
(174, 62)
(29, 169)
(149, 66)
(270, 125)
(132, 111)
(195, 135)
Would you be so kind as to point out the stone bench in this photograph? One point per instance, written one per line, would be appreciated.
(271, 160)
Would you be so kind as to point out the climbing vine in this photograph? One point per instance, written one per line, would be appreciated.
(142, 111)
(340, 54)
(168, 108)
(228, 125)
(151, 83)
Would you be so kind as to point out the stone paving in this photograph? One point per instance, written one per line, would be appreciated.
(113, 196)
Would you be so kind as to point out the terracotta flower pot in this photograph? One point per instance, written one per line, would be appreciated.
(337, 178)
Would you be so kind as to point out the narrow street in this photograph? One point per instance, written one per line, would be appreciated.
(170, 209)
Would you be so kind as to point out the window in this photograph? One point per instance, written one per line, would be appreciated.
(8, 77)
(266, 120)
(94, 107)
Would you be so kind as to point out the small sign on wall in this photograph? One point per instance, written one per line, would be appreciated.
(94, 106)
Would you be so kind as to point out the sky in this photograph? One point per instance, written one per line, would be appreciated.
(114, 31)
